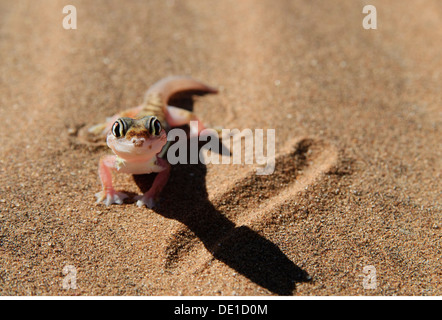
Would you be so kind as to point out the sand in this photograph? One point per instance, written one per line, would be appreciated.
(357, 115)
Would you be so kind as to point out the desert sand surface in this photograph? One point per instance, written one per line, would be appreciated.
(357, 115)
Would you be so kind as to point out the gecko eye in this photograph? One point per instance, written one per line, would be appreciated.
(154, 126)
(119, 128)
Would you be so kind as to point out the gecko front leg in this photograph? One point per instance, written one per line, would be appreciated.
(108, 195)
(149, 198)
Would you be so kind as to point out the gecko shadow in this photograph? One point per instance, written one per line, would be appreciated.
(185, 199)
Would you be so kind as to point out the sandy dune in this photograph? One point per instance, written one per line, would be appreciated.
(357, 115)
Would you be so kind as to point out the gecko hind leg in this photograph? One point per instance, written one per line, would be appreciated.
(104, 127)
(96, 134)
(178, 117)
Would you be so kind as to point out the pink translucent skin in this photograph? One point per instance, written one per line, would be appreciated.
(140, 155)
(178, 117)
(136, 153)
(133, 157)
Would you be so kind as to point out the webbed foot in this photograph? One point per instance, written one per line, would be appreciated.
(145, 201)
(109, 198)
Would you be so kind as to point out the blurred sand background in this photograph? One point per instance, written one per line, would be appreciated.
(357, 115)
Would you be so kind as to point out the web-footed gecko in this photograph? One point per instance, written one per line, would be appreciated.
(138, 138)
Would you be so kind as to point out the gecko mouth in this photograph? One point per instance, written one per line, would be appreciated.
(136, 145)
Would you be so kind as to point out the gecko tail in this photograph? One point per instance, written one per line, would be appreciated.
(169, 86)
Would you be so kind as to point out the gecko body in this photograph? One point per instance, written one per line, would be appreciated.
(138, 138)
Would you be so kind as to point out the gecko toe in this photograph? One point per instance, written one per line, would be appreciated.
(110, 198)
(145, 201)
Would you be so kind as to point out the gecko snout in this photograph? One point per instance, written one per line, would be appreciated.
(138, 142)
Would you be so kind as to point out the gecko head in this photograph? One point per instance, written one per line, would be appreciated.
(135, 138)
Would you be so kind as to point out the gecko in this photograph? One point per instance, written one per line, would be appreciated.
(138, 138)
